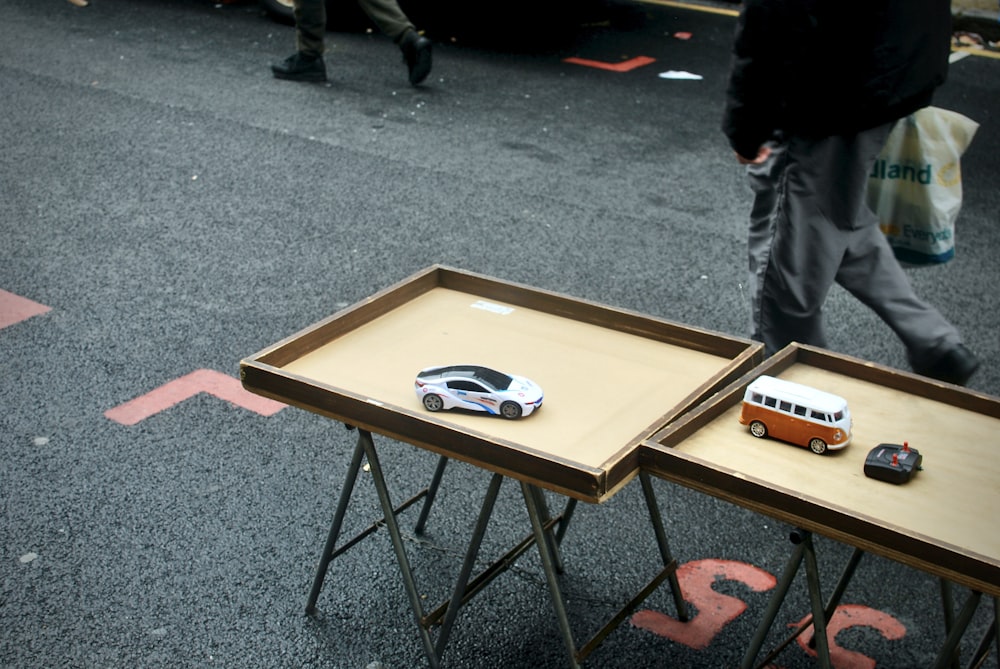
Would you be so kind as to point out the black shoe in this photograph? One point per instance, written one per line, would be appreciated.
(417, 55)
(956, 365)
(300, 67)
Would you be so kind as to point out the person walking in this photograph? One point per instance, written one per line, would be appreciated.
(307, 64)
(814, 89)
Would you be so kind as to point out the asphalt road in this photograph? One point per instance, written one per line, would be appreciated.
(168, 208)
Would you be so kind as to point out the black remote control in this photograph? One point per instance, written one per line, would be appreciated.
(892, 463)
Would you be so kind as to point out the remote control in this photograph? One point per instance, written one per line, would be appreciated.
(892, 463)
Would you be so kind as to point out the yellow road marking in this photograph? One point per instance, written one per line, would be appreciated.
(735, 12)
(695, 7)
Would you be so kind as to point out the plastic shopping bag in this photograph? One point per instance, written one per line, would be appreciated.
(915, 186)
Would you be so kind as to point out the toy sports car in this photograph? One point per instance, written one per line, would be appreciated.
(477, 388)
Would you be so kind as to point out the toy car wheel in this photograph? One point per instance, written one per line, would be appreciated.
(817, 445)
(433, 402)
(758, 429)
(510, 410)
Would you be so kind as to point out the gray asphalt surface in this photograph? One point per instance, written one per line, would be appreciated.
(178, 209)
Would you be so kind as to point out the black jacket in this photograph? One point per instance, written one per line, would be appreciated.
(825, 67)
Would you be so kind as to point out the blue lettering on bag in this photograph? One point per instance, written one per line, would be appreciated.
(883, 169)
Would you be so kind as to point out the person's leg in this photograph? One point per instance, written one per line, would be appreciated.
(306, 64)
(869, 271)
(872, 274)
(794, 251)
(812, 226)
(391, 20)
(388, 16)
(310, 26)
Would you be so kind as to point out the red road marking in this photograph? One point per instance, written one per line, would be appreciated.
(14, 309)
(714, 610)
(845, 617)
(624, 66)
(174, 392)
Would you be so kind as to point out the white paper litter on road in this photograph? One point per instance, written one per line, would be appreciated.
(680, 74)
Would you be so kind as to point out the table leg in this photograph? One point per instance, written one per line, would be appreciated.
(550, 537)
(331, 550)
(831, 606)
(948, 604)
(497, 567)
(431, 495)
(948, 653)
(548, 547)
(544, 543)
(804, 551)
(458, 595)
(773, 605)
(816, 600)
(564, 519)
(992, 632)
(656, 518)
(996, 624)
(464, 589)
(838, 593)
(365, 438)
(338, 520)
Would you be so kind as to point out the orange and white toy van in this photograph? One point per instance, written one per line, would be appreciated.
(795, 413)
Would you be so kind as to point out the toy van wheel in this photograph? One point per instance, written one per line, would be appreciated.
(817, 445)
(758, 429)
(433, 402)
(510, 410)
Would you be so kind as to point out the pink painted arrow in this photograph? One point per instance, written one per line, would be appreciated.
(14, 309)
(174, 392)
(624, 66)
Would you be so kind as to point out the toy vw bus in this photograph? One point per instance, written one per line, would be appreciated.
(795, 413)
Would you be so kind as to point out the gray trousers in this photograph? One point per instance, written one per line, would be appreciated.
(310, 22)
(810, 227)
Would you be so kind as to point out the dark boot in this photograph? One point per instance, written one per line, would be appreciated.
(956, 365)
(300, 67)
(417, 55)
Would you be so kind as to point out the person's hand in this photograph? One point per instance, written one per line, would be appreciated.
(762, 154)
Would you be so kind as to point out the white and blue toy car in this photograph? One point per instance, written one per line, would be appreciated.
(477, 388)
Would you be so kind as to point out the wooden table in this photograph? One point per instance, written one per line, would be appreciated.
(611, 379)
(943, 521)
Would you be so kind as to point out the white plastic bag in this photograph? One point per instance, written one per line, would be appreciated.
(915, 187)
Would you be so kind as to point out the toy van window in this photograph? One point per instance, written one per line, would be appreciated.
(770, 401)
(838, 416)
(786, 406)
(756, 398)
(800, 410)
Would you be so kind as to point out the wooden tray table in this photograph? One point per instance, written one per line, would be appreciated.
(611, 379)
(943, 521)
